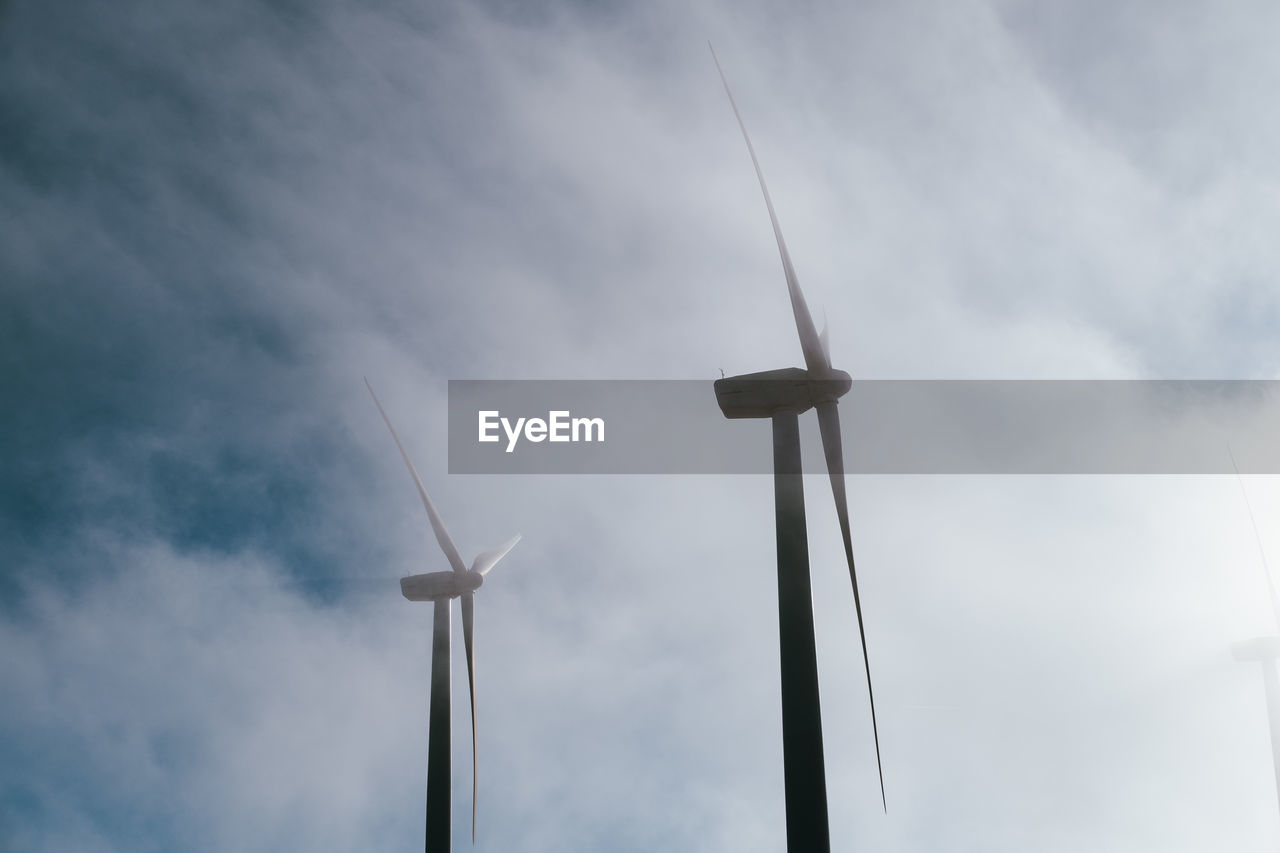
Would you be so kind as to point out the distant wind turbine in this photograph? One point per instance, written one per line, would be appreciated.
(1264, 651)
(441, 587)
(782, 395)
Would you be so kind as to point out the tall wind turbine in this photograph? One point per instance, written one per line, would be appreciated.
(441, 588)
(782, 395)
(1265, 651)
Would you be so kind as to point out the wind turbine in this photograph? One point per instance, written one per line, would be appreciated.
(782, 396)
(1264, 651)
(441, 588)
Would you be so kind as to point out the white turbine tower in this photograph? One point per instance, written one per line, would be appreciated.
(1264, 651)
(441, 588)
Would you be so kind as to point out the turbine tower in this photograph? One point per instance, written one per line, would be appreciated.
(782, 396)
(441, 588)
(1265, 651)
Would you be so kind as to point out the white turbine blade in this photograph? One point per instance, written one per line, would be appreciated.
(1262, 552)
(442, 535)
(829, 422)
(814, 359)
(825, 341)
(468, 632)
(486, 560)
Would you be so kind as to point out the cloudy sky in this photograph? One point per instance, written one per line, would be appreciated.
(216, 218)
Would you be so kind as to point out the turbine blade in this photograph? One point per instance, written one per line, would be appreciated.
(825, 341)
(1262, 552)
(486, 560)
(829, 422)
(442, 535)
(468, 629)
(814, 359)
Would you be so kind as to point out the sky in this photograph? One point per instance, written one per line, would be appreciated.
(217, 218)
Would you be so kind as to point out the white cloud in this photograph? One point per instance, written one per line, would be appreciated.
(968, 192)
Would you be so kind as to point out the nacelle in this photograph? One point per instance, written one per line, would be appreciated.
(760, 395)
(1259, 649)
(434, 585)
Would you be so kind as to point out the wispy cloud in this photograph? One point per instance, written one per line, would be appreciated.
(218, 219)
